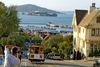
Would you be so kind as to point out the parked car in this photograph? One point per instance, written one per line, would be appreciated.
(55, 56)
(97, 63)
(49, 56)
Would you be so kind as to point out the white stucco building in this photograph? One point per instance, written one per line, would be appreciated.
(86, 31)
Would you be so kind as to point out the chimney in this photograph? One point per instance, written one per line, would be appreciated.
(92, 7)
(93, 4)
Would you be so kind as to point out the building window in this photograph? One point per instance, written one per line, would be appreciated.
(83, 30)
(74, 41)
(79, 30)
(98, 20)
(83, 44)
(95, 32)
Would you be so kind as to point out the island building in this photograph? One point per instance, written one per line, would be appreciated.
(86, 31)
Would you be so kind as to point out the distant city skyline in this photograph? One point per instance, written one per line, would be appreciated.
(58, 5)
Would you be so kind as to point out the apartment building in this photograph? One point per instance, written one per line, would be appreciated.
(86, 31)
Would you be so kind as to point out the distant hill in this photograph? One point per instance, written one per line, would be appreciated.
(31, 8)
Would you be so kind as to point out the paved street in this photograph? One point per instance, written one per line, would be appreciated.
(56, 63)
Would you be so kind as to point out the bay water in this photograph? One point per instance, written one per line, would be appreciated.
(62, 18)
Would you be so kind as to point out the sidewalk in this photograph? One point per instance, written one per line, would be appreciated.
(92, 58)
(24, 63)
(85, 63)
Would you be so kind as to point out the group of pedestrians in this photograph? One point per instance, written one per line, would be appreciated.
(76, 55)
(11, 57)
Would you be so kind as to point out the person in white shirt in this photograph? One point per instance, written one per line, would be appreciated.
(11, 59)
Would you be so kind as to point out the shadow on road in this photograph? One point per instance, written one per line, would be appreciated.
(58, 64)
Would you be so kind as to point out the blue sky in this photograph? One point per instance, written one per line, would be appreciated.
(58, 5)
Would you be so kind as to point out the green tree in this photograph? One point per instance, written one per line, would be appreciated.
(9, 21)
(68, 38)
(36, 40)
(52, 43)
(13, 39)
(58, 44)
(2, 8)
(66, 46)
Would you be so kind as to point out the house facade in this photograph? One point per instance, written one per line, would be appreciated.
(86, 31)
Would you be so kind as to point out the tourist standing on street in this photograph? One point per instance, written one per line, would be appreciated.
(74, 55)
(11, 59)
